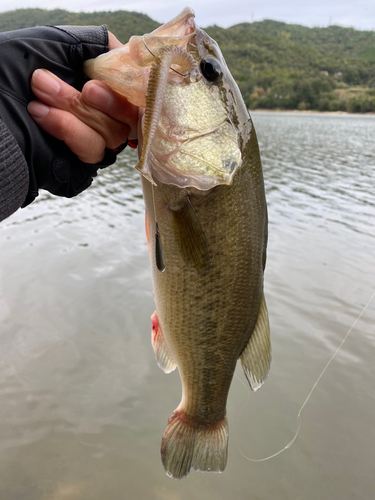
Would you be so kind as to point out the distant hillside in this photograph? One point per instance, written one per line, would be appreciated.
(276, 65)
(122, 23)
(287, 66)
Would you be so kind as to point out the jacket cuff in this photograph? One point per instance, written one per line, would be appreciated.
(93, 40)
(14, 174)
(87, 34)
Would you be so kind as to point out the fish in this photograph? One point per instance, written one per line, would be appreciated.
(206, 226)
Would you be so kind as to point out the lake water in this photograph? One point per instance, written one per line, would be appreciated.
(83, 404)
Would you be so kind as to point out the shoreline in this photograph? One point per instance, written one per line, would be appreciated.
(308, 112)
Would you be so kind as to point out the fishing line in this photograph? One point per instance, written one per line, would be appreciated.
(175, 70)
(299, 418)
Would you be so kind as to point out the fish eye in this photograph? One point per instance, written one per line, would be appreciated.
(211, 70)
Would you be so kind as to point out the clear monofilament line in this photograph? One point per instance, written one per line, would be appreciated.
(299, 418)
(175, 70)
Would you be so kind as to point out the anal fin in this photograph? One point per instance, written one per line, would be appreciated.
(256, 357)
(162, 353)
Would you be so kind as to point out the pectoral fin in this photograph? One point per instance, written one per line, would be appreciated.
(190, 236)
(256, 357)
(162, 353)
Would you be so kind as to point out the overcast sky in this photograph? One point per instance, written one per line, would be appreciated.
(356, 13)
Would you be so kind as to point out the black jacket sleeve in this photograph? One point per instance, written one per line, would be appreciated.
(14, 175)
(50, 163)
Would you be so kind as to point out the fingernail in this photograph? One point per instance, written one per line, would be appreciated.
(46, 82)
(38, 109)
(98, 96)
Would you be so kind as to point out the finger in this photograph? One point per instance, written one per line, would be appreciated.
(98, 95)
(58, 94)
(85, 142)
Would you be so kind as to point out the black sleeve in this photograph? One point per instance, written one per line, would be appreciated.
(14, 175)
(61, 50)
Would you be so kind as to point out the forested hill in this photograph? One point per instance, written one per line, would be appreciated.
(122, 23)
(276, 65)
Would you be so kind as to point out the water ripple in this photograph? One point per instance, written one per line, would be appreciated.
(323, 166)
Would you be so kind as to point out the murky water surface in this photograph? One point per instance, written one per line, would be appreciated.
(83, 403)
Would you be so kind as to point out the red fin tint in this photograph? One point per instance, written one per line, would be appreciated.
(162, 353)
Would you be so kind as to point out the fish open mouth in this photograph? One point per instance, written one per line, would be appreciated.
(187, 138)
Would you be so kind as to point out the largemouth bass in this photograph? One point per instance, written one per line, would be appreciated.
(206, 223)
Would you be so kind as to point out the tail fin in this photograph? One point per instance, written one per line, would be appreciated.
(185, 445)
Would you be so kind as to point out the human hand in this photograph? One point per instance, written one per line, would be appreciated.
(62, 51)
(89, 122)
